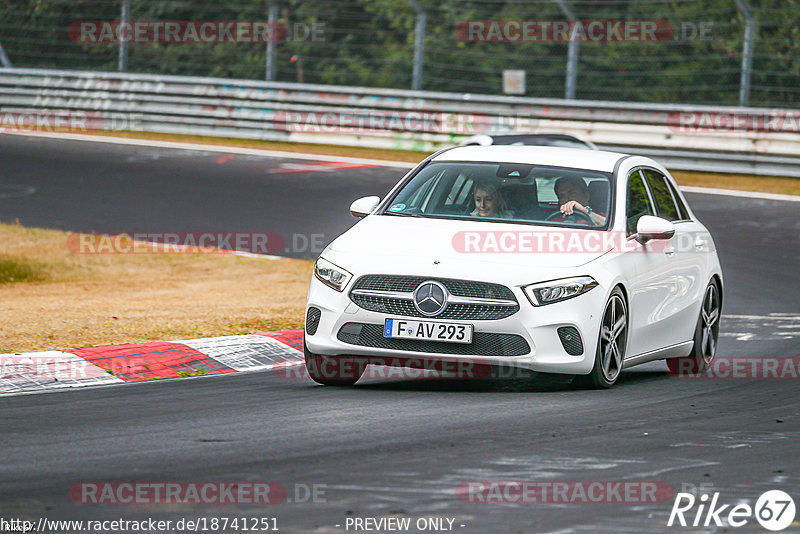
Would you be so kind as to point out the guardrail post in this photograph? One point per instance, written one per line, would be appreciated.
(747, 50)
(419, 45)
(271, 33)
(4, 59)
(124, 18)
(572, 52)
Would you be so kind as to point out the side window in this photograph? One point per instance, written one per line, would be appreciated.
(665, 205)
(462, 189)
(682, 211)
(637, 203)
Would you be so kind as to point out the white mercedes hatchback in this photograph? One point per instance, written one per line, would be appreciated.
(553, 260)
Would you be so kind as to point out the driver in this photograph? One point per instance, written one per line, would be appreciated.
(573, 195)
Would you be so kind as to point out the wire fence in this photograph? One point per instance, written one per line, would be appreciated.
(722, 52)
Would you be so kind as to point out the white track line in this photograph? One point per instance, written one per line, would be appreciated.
(740, 194)
(216, 148)
(318, 157)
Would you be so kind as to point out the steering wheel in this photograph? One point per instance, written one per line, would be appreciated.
(574, 212)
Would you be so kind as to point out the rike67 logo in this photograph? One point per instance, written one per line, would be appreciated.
(774, 510)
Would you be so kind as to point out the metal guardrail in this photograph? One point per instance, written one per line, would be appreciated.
(700, 138)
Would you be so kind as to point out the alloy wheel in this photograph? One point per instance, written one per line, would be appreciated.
(613, 334)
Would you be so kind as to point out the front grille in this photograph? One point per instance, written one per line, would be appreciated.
(462, 288)
(459, 288)
(483, 343)
(312, 320)
(571, 340)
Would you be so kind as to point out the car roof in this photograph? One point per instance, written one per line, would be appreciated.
(532, 137)
(595, 160)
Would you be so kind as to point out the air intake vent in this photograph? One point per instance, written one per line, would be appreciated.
(483, 343)
(312, 320)
(571, 340)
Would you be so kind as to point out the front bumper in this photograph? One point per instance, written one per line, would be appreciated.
(537, 326)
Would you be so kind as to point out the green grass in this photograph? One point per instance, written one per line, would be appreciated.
(195, 373)
(13, 271)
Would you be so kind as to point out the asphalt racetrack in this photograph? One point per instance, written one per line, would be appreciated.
(389, 447)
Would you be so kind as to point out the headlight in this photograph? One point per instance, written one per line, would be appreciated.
(558, 290)
(331, 275)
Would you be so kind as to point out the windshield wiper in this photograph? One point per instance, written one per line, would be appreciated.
(403, 214)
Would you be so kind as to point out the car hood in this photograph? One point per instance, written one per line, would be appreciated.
(458, 248)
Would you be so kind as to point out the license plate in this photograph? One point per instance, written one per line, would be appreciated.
(428, 330)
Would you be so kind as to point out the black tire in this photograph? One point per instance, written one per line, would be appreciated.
(333, 371)
(612, 342)
(706, 336)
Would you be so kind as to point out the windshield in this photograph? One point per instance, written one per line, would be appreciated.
(506, 192)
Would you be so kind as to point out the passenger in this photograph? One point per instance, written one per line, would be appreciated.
(489, 202)
(573, 195)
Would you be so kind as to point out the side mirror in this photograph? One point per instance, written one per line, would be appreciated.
(363, 206)
(650, 227)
